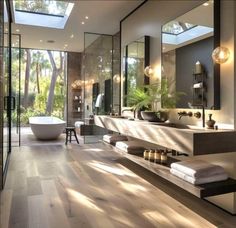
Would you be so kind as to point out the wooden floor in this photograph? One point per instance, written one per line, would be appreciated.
(53, 186)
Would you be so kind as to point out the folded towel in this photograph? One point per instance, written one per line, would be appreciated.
(99, 100)
(197, 168)
(79, 123)
(114, 138)
(200, 180)
(131, 147)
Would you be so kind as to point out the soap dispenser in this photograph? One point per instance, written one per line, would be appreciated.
(210, 123)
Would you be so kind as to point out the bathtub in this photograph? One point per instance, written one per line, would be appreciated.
(46, 127)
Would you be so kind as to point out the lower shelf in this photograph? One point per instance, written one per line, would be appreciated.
(201, 191)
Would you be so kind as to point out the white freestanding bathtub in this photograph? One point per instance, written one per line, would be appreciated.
(46, 127)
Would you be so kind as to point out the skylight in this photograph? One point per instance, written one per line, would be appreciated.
(45, 13)
(176, 27)
(48, 7)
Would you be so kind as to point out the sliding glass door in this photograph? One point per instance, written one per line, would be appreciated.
(6, 88)
(15, 85)
(6, 101)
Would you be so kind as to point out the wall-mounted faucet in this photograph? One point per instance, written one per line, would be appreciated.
(198, 115)
(184, 113)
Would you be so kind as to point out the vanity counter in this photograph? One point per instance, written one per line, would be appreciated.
(192, 140)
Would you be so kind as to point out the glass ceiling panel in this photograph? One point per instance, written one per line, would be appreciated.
(176, 27)
(44, 13)
(48, 7)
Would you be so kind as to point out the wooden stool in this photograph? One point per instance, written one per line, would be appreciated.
(69, 131)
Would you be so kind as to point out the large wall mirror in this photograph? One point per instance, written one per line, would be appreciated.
(135, 59)
(187, 45)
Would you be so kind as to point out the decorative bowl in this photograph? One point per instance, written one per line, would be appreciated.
(154, 116)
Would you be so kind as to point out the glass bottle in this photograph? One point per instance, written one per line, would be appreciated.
(151, 155)
(157, 156)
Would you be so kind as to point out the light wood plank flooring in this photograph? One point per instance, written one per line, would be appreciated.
(54, 186)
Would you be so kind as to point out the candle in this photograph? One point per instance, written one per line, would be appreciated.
(198, 68)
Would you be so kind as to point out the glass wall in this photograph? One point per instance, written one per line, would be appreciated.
(5, 89)
(15, 84)
(97, 74)
(116, 80)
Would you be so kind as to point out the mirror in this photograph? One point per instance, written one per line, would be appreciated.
(187, 45)
(135, 59)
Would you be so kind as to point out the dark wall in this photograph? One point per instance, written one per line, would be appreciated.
(186, 57)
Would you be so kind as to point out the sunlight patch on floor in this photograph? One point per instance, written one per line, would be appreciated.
(158, 219)
(84, 200)
(105, 168)
(134, 188)
(94, 149)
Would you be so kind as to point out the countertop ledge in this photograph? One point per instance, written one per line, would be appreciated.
(189, 139)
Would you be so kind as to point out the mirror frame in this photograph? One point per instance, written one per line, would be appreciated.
(146, 80)
(216, 67)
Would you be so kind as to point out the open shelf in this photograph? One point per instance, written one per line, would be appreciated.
(201, 191)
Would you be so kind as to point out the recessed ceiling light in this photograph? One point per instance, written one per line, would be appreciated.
(66, 45)
(51, 41)
(82, 22)
(17, 30)
(41, 41)
(86, 17)
(206, 4)
(72, 36)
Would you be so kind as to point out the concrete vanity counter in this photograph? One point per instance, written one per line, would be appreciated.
(188, 139)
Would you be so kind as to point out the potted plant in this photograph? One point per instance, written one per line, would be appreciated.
(142, 100)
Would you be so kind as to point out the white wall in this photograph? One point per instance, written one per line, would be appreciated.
(147, 20)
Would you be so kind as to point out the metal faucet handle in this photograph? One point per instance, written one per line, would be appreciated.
(182, 113)
(197, 115)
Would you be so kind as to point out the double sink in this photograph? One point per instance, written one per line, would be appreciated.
(164, 124)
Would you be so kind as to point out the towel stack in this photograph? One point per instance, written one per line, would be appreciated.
(112, 139)
(131, 147)
(198, 172)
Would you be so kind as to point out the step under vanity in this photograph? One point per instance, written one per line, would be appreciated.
(177, 137)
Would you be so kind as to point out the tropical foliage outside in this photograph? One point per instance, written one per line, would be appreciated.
(42, 82)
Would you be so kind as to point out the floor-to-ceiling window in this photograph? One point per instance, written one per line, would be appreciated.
(16, 87)
(6, 99)
(43, 88)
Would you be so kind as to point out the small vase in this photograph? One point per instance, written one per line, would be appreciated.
(210, 123)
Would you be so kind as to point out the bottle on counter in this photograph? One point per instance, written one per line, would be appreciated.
(210, 123)
(151, 155)
(157, 156)
(164, 157)
(146, 154)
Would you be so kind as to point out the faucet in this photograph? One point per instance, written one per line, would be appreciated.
(184, 113)
(128, 109)
(198, 114)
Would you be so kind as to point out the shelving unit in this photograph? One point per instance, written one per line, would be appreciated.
(163, 171)
(77, 103)
(199, 93)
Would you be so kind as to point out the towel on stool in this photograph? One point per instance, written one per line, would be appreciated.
(131, 147)
(78, 124)
(112, 139)
(199, 180)
(197, 168)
